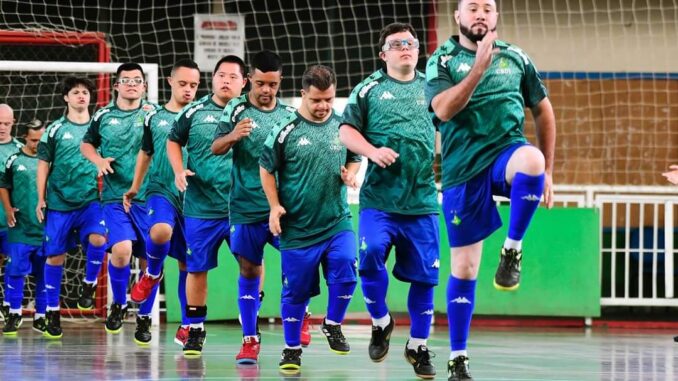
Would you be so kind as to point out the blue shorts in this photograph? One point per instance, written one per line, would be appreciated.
(64, 230)
(203, 239)
(248, 241)
(132, 226)
(416, 240)
(25, 259)
(4, 244)
(300, 276)
(470, 211)
(161, 211)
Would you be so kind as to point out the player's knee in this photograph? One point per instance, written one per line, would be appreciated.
(529, 160)
(56, 260)
(161, 233)
(249, 269)
(97, 240)
(182, 266)
(121, 253)
(465, 269)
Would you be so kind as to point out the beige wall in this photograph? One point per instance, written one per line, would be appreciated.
(581, 35)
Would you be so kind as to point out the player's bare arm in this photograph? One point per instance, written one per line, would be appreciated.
(223, 144)
(103, 164)
(140, 170)
(176, 158)
(41, 181)
(271, 191)
(356, 142)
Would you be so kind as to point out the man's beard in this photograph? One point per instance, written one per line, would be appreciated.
(474, 37)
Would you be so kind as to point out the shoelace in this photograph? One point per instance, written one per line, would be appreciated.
(424, 355)
(335, 332)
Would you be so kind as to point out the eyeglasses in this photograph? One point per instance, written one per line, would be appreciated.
(400, 44)
(131, 81)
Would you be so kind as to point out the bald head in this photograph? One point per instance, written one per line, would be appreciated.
(6, 122)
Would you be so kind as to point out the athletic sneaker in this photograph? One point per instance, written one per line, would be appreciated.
(379, 343)
(306, 330)
(507, 277)
(421, 361)
(195, 341)
(336, 339)
(39, 324)
(116, 315)
(249, 352)
(290, 360)
(181, 336)
(142, 335)
(143, 288)
(12, 324)
(53, 329)
(86, 299)
(458, 370)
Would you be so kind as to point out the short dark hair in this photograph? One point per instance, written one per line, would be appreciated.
(187, 63)
(393, 28)
(231, 59)
(319, 76)
(130, 66)
(266, 61)
(71, 82)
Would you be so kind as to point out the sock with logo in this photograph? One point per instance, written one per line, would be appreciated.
(374, 285)
(526, 193)
(292, 316)
(95, 257)
(119, 277)
(156, 254)
(339, 297)
(420, 307)
(248, 302)
(181, 292)
(460, 302)
(146, 307)
(53, 274)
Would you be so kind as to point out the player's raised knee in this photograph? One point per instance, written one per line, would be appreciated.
(528, 160)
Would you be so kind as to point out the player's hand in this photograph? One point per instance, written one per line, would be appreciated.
(486, 50)
(243, 129)
(128, 197)
(348, 177)
(548, 190)
(274, 219)
(104, 166)
(672, 174)
(180, 179)
(383, 156)
(40, 210)
(11, 219)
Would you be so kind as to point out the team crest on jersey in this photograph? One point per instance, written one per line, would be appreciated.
(504, 67)
(336, 144)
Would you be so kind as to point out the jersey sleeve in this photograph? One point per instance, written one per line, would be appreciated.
(355, 112)
(147, 137)
(438, 78)
(228, 119)
(352, 157)
(46, 146)
(6, 173)
(92, 136)
(532, 86)
(180, 129)
(271, 155)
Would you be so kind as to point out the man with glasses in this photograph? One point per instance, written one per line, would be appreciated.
(112, 142)
(386, 121)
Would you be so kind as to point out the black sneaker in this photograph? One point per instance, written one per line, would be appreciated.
(336, 339)
(86, 299)
(4, 312)
(457, 369)
(116, 315)
(39, 324)
(507, 277)
(196, 339)
(421, 361)
(12, 324)
(378, 348)
(290, 361)
(53, 329)
(142, 335)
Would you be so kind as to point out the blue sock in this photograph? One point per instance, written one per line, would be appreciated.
(53, 274)
(95, 257)
(146, 307)
(339, 297)
(460, 302)
(119, 278)
(196, 314)
(375, 285)
(40, 291)
(248, 302)
(156, 254)
(292, 316)
(420, 306)
(526, 192)
(15, 291)
(181, 292)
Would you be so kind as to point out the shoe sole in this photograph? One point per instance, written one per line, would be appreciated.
(142, 343)
(113, 331)
(52, 337)
(290, 368)
(340, 352)
(504, 288)
(422, 376)
(247, 361)
(81, 308)
(192, 353)
(9, 333)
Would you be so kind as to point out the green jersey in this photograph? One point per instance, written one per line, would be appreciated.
(207, 192)
(72, 180)
(6, 150)
(117, 133)
(19, 177)
(308, 157)
(157, 126)
(494, 117)
(391, 113)
(247, 202)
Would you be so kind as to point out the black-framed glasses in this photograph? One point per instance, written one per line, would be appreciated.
(131, 81)
(400, 44)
